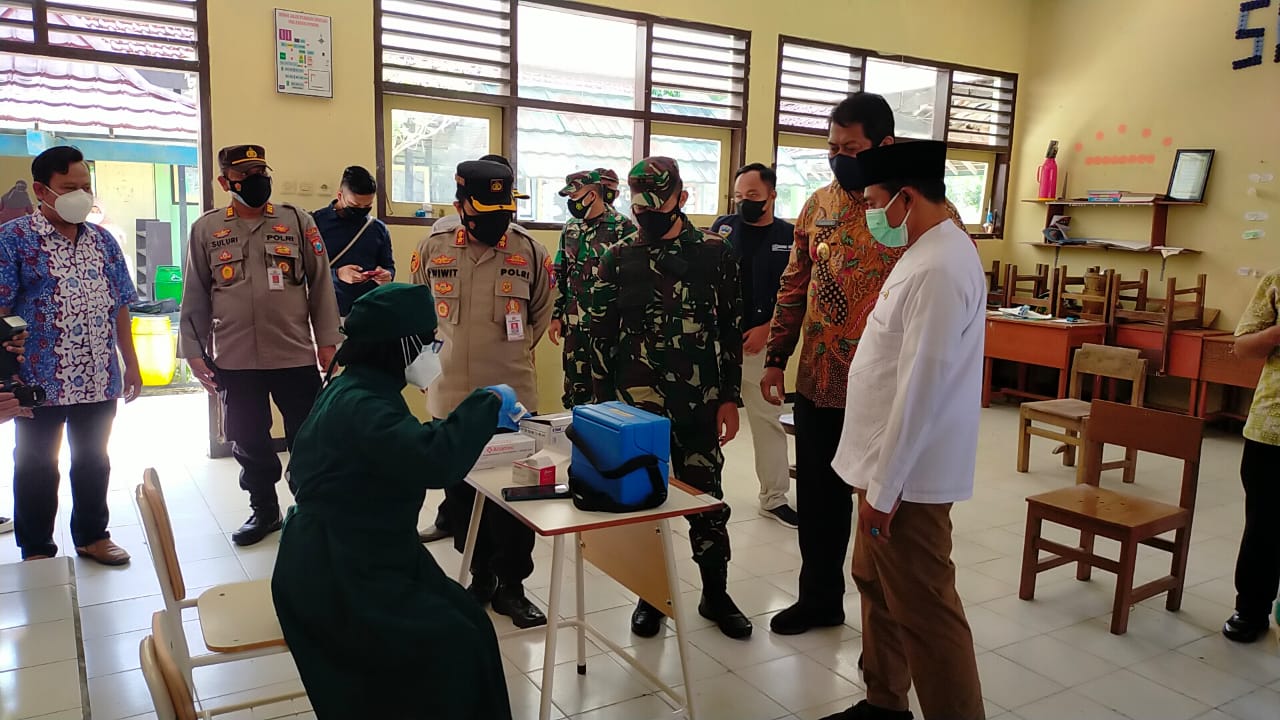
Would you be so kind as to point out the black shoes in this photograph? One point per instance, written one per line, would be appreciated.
(798, 619)
(784, 515)
(482, 587)
(866, 711)
(646, 621)
(718, 607)
(509, 600)
(1243, 630)
(259, 525)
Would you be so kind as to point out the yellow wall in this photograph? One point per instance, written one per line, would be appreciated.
(310, 140)
(1137, 63)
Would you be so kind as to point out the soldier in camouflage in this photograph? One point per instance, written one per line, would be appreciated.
(666, 336)
(595, 226)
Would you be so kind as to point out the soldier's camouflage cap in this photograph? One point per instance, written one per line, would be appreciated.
(653, 181)
(604, 177)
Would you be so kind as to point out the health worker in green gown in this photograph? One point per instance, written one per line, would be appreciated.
(376, 628)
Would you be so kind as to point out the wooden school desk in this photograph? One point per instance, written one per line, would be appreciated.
(1049, 343)
(42, 669)
(1219, 365)
(1185, 350)
(635, 549)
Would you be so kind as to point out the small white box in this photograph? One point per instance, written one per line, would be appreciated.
(538, 469)
(505, 449)
(547, 431)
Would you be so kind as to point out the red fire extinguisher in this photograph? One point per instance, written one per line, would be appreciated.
(1047, 173)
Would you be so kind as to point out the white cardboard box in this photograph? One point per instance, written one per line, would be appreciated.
(505, 449)
(547, 431)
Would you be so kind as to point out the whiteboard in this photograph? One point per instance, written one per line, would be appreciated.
(304, 54)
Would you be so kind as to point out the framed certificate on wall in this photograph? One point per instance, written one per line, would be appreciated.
(1190, 175)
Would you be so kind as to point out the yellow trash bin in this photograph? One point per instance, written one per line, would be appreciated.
(157, 351)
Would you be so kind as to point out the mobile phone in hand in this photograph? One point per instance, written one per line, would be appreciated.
(517, 493)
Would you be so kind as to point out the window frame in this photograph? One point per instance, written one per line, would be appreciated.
(977, 156)
(998, 178)
(389, 96)
(405, 210)
(796, 140)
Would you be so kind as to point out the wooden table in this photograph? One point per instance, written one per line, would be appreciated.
(1186, 348)
(1219, 365)
(789, 427)
(636, 549)
(1049, 343)
(41, 652)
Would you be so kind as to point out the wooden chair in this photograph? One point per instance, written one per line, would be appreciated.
(1084, 296)
(1127, 519)
(1133, 292)
(1032, 290)
(1072, 413)
(238, 620)
(995, 286)
(171, 694)
(1171, 313)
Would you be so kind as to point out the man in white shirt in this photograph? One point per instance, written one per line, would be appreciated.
(910, 441)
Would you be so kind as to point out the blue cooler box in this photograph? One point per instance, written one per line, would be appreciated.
(615, 434)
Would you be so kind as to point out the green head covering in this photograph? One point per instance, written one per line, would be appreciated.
(391, 312)
(653, 181)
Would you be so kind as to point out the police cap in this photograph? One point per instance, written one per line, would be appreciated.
(488, 184)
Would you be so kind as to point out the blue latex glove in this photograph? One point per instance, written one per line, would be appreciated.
(512, 412)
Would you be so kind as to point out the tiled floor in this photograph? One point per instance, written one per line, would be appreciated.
(1042, 660)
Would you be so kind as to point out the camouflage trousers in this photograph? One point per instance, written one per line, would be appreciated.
(698, 461)
(577, 368)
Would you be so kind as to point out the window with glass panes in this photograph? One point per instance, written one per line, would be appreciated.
(452, 89)
(971, 109)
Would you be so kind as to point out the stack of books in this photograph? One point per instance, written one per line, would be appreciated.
(1119, 196)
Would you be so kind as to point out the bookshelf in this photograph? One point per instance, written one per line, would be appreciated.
(1159, 218)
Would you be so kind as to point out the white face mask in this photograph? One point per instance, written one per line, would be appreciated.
(74, 207)
(425, 367)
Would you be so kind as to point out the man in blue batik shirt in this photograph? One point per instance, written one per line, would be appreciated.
(68, 279)
(359, 246)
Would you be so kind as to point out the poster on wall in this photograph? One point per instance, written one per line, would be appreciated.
(304, 54)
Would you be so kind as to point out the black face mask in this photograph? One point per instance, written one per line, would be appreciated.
(848, 172)
(356, 213)
(655, 224)
(580, 207)
(488, 228)
(254, 191)
(751, 210)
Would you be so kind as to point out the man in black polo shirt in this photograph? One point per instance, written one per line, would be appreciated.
(762, 244)
(359, 246)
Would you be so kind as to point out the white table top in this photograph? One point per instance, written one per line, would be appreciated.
(42, 668)
(560, 517)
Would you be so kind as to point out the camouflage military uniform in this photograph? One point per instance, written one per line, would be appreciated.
(577, 262)
(666, 336)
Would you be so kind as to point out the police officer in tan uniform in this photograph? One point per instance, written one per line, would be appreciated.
(492, 287)
(258, 298)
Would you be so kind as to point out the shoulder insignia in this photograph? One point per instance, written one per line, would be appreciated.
(460, 238)
(280, 228)
(502, 244)
(724, 230)
(231, 212)
(443, 260)
(224, 232)
(517, 260)
(415, 262)
(270, 209)
(317, 243)
(284, 250)
(550, 269)
(444, 288)
(442, 309)
(225, 256)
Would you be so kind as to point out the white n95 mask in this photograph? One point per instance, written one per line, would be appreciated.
(74, 206)
(425, 367)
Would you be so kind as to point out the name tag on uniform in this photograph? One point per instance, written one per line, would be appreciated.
(782, 248)
(515, 327)
(275, 278)
(827, 223)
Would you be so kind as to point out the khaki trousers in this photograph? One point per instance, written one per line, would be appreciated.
(773, 469)
(913, 623)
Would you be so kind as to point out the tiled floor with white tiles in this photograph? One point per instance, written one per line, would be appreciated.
(1042, 660)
